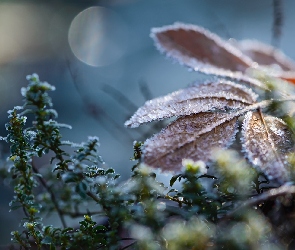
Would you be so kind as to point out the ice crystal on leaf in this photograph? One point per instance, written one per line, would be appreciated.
(189, 137)
(207, 113)
(192, 100)
(267, 141)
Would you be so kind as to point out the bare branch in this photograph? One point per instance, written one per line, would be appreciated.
(53, 198)
(271, 194)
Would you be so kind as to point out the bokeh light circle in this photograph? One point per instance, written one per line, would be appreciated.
(96, 36)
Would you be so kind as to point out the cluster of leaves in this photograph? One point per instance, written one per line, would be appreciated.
(207, 113)
(229, 206)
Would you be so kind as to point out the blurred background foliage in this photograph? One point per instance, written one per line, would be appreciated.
(97, 53)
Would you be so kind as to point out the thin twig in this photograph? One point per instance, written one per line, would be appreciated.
(127, 238)
(53, 198)
(119, 97)
(273, 193)
(145, 91)
(130, 245)
(277, 22)
(93, 196)
(80, 214)
(97, 112)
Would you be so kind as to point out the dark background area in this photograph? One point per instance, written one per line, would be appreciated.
(96, 51)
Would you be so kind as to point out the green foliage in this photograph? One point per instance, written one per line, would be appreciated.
(225, 207)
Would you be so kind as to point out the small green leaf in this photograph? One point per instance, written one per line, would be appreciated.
(40, 152)
(110, 171)
(47, 229)
(100, 228)
(174, 178)
(81, 189)
(68, 229)
(70, 177)
(47, 240)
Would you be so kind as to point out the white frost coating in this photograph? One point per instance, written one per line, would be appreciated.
(267, 147)
(180, 109)
(189, 137)
(194, 99)
(235, 76)
(23, 91)
(18, 108)
(220, 42)
(201, 65)
(250, 46)
(179, 139)
(93, 138)
(275, 130)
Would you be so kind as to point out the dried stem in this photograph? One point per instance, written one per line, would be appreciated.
(277, 22)
(130, 245)
(271, 194)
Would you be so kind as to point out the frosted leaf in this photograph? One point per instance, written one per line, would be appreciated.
(32, 77)
(189, 137)
(31, 135)
(265, 54)
(267, 145)
(18, 108)
(208, 112)
(23, 91)
(282, 66)
(93, 138)
(198, 48)
(194, 99)
(203, 51)
(52, 112)
(238, 77)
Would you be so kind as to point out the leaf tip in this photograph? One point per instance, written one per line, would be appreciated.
(131, 124)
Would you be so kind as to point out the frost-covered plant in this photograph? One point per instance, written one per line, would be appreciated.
(228, 206)
(207, 113)
(70, 181)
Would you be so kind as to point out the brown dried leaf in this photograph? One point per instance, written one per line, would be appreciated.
(203, 51)
(265, 54)
(197, 47)
(209, 111)
(190, 137)
(267, 143)
(194, 99)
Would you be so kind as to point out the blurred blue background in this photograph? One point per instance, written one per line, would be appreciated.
(96, 51)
